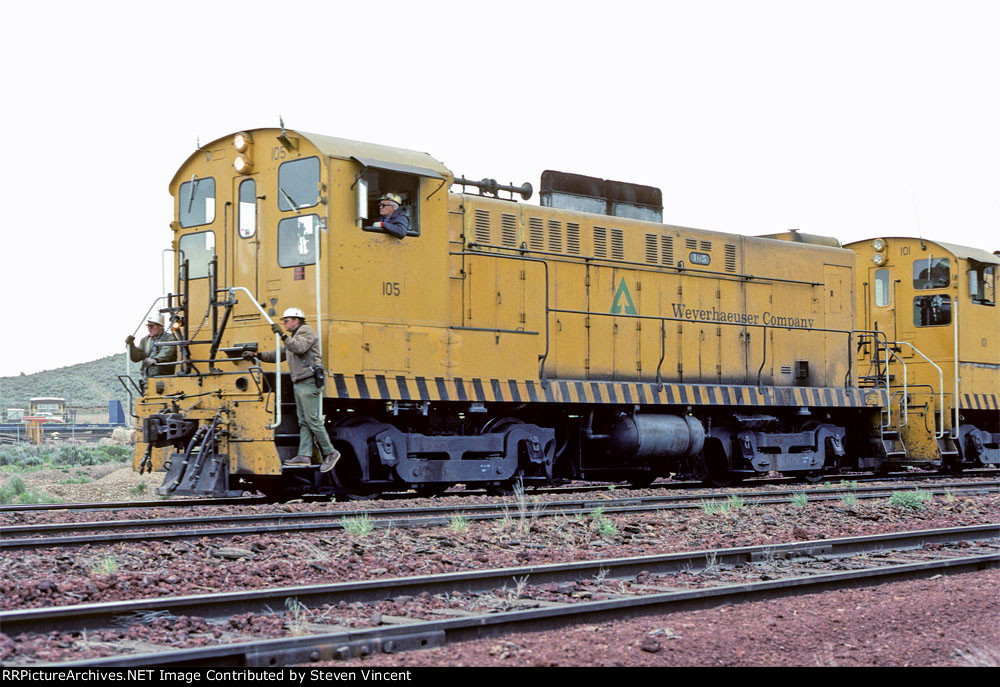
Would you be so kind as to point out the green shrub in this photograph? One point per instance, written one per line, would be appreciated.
(915, 500)
(360, 526)
(605, 528)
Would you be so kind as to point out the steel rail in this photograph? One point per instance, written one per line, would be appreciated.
(131, 505)
(37, 536)
(435, 633)
(672, 485)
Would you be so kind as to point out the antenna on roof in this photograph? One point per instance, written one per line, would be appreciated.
(282, 122)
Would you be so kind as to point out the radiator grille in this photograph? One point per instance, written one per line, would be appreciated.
(651, 249)
(536, 234)
(706, 245)
(691, 244)
(617, 244)
(730, 258)
(482, 226)
(573, 237)
(555, 236)
(667, 250)
(508, 229)
(600, 242)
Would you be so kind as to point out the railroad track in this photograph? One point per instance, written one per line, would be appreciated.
(115, 531)
(492, 602)
(394, 496)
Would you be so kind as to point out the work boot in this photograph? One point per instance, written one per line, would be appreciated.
(329, 460)
(298, 462)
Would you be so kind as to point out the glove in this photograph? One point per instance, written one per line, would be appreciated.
(129, 340)
(148, 362)
(376, 225)
(249, 355)
(276, 328)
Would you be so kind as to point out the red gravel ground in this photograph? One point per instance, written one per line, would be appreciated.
(951, 620)
(946, 621)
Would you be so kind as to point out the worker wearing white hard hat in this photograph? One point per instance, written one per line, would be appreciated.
(305, 363)
(151, 352)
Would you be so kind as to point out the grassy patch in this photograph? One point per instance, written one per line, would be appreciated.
(850, 499)
(106, 566)
(800, 500)
(16, 492)
(458, 524)
(914, 500)
(360, 526)
(76, 480)
(605, 528)
(26, 457)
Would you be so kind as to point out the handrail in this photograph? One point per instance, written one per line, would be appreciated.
(876, 334)
(938, 433)
(906, 412)
(277, 354)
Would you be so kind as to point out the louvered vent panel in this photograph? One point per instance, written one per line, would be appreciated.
(706, 245)
(691, 244)
(617, 244)
(667, 250)
(730, 258)
(555, 236)
(482, 230)
(536, 234)
(573, 237)
(651, 252)
(600, 242)
(508, 228)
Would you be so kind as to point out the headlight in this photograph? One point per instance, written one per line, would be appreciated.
(878, 259)
(242, 141)
(242, 164)
(878, 244)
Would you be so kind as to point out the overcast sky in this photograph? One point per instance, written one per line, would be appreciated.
(851, 119)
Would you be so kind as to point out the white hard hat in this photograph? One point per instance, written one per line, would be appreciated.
(294, 312)
(156, 319)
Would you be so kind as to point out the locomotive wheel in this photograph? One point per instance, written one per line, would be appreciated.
(813, 477)
(714, 470)
(346, 476)
(504, 488)
(642, 479)
(434, 489)
(499, 424)
(495, 426)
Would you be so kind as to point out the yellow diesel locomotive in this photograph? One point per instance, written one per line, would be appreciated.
(496, 341)
(935, 305)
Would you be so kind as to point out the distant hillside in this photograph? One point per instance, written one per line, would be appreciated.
(90, 384)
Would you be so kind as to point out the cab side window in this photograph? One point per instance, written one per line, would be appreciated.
(882, 286)
(982, 284)
(932, 273)
(196, 202)
(406, 186)
(932, 311)
(298, 184)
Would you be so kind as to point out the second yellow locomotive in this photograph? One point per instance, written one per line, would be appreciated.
(497, 341)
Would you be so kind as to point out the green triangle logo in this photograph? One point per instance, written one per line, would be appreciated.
(618, 306)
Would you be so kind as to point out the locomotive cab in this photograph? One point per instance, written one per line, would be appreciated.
(935, 305)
